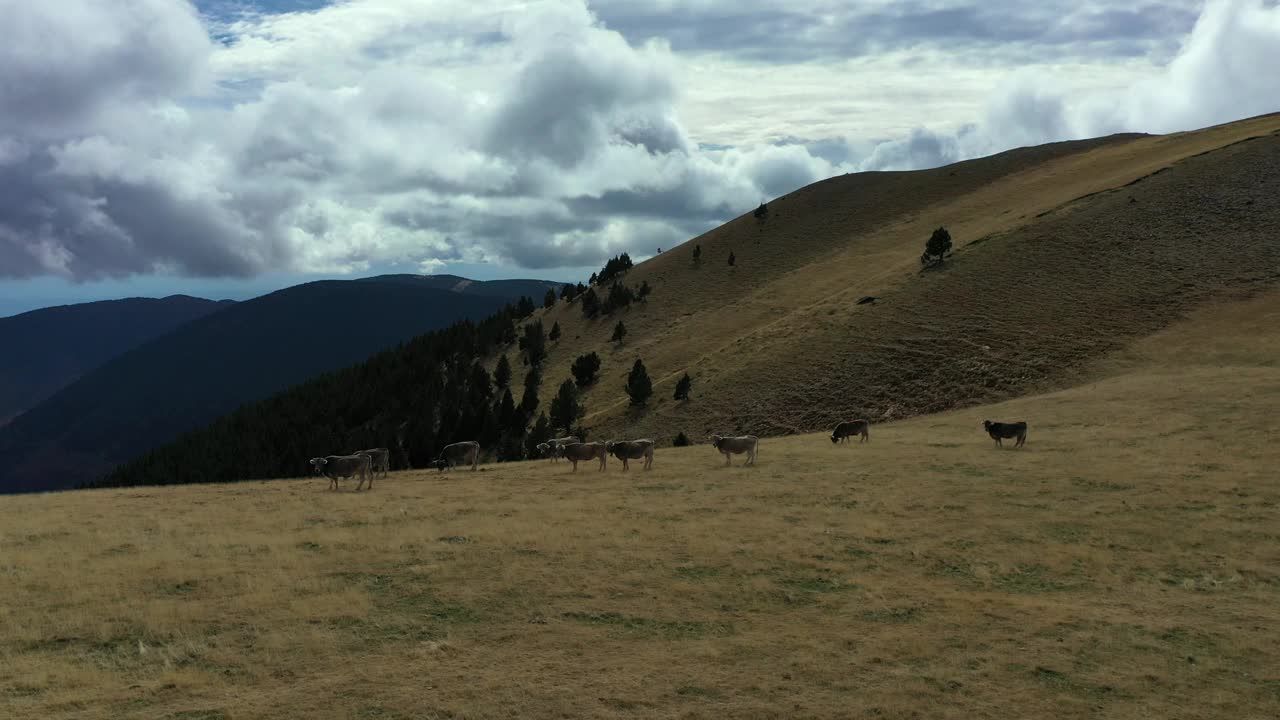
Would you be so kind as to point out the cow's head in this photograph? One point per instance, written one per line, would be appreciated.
(715, 440)
(440, 464)
(835, 438)
(986, 425)
(318, 463)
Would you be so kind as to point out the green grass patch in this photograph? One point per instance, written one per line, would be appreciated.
(893, 615)
(698, 572)
(630, 626)
(695, 691)
(1029, 579)
(1099, 485)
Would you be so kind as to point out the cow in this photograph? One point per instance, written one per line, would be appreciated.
(344, 466)
(554, 448)
(736, 445)
(849, 428)
(1000, 431)
(466, 452)
(578, 452)
(626, 450)
(379, 459)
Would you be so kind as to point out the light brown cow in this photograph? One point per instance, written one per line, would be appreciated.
(849, 428)
(379, 458)
(578, 452)
(466, 452)
(344, 466)
(626, 450)
(736, 446)
(554, 448)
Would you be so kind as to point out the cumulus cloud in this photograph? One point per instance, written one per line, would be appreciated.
(389, 132)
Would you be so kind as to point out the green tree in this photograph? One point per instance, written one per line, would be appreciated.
(937, 248)
(639, 387)
(549, 300)
(681, 440)
(643, 292)
(565, 408)
(555, 332)
(525, 307)
(683, 387)
(590, 303)
(697, 253)
(732, 260)
(539, 433)
(584, 369)
(502, 373)
(529, 401)
(619, 332)
(534, 343)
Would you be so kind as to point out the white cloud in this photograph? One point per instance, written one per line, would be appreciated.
(376, 132)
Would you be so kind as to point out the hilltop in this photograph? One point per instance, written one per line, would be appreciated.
(1062, 253)
(1122, 564)
(47, 349)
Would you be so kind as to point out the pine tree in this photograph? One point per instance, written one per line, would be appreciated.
(619, 332)
(681, 440)
(590, 303)
(508, 418)
(549, 300)
(525, 307)
(683, 387)
(732, 259)
(697, 253)
(644, 291)
(502, 373)
(529, 401)
(565, 408)
(938, 246)
(639, 387)
(540, 433)
(555, 332)
(534, 343)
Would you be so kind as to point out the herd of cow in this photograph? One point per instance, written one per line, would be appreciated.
(366, 463)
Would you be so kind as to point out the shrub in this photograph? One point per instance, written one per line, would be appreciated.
(732, 260)
(697, 253)
(549, 300)
(683, 387)
(584, 369)
(555, 332)
(681, 440)
(619, 332)
(643, 293)
(937, 248)
(590, 303)
(534, 343)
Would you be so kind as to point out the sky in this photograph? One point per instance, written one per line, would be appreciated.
(226, 148)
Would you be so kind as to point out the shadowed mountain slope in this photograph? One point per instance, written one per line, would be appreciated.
(182, 380)
(49, 348)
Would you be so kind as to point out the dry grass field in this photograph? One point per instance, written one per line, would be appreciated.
(1064, 253)
(1124, 564)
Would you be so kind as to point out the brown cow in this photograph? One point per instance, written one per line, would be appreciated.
(578, 452)
(466, 452)
(626, 450)
(344, 466)
(737, 445)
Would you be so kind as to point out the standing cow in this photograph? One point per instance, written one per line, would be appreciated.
(626, 450)
(466, 452)
(849, 428)
(344, 466)
(379, 459)
(736, 446)
(1000, 431)
(579, 452)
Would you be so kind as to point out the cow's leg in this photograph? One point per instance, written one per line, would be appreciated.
(726, 459)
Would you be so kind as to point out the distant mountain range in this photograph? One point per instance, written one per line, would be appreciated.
(181, 380)
(46, 350)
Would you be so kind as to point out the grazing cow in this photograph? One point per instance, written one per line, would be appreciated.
(379, 459)
(344, 466)
(578, 452)
(849, 428)
(736, 446)
(466, 452)
(1003, 431)
(626, 450)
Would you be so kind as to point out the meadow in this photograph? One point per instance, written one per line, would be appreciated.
(1124, 564)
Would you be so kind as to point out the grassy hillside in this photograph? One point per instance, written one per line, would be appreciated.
(47, 349)
(207, 368)
(1121, 565)
(1063, 252)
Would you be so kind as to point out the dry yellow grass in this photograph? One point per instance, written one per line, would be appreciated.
(1054, 267)
(1122, 565)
